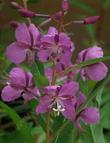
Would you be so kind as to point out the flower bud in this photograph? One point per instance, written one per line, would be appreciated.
(91, 20)
(57, 15)
(65, 5)
(26, 13)
(14, 24)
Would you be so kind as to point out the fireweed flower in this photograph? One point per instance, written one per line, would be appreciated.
(20, 84)
(55, 45)
(96, 71)
(27, 41)
(89, 115)
(60, 99)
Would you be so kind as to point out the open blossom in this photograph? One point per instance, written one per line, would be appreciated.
(55, 45)
(89, 115)
(20, 84)
(27, 41)
(96, 71)
(60, 99)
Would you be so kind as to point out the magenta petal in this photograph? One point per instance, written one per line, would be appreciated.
(43, 106)
(10, 94)
(69, 89)
(97, 72)
(81, 56)
(94, 52)
(48, 40)
(35, 34)
(43, 55)
(65, 59)
(64, 40)
(22, 34)
(52, 31)
(17, 77)
(16, 53)
(81, 99)
(31, 94)
(90, 115)
(69, 112)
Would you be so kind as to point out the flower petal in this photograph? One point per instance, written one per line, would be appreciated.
(90, 115)
(35, 34)
(94, 52)
(64, 40)
(43, 106)
(69, 89)
(81, 99)
(10, 94)
(44, 55)
(32, 93)
(97, 72)
(65, 59)
(17, 77)
(22, 34)
(52, 31)
(16, 53)
(69, 112)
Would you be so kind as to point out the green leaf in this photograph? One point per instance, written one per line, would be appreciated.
(97, 134)
(93, 134)
(105, 116)
(86, 86)
(37, 71)
(97, 92)
(33, 1)
(13, 137)
(66, 133)
(87, 63)
(83, 5)
(93, 61)
(22, 126)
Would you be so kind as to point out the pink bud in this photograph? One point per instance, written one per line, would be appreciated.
(65, 5)
(14, 24)
(26, 13)
(56, 16)
(91, 20)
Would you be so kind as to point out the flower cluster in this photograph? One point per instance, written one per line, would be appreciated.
(56, 48)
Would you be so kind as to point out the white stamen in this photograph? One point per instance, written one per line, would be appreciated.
(59, 108)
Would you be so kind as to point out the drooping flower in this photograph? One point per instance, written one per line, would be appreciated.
(27, 41)
(96, 71)
(89, 115)
(55, 45)
(60, 99)
(20, 83)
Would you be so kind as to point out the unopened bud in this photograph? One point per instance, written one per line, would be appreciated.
(91, 20)
(26, 13)
(14, 24)
(57, 15)
(15, 5)
(65, 5)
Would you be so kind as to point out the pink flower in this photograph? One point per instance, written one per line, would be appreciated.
(96, 71)
(60, 99)
(55, 45)
(20, 84)
(27, 41)
(89, 115)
